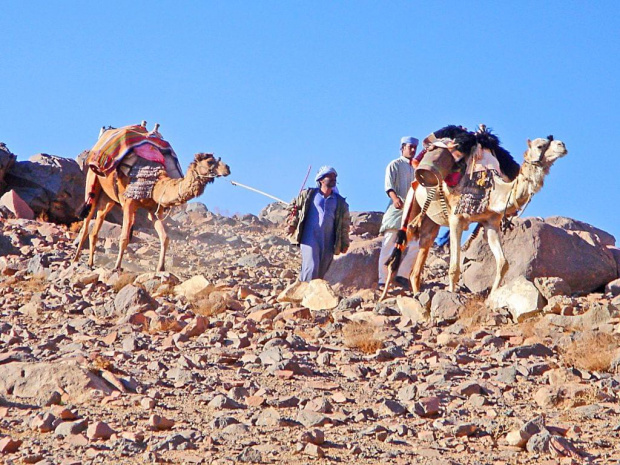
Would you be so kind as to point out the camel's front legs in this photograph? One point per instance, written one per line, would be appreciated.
(428, 233)
(129, 216)
(164, 240)
(456, 232)
(501, 263)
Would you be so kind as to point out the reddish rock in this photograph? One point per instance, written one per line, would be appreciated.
(99, 430)
(9, 445)
(160, 423)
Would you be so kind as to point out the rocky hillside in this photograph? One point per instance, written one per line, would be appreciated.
(225, 358)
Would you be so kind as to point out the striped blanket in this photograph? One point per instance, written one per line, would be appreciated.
(115, 144)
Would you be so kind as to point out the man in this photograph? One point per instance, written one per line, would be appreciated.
(319, 222)
(398, 179)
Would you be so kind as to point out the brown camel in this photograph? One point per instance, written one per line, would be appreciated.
(109, 190)
(505, 199)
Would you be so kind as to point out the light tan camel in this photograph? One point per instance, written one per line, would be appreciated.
(505, 199)
(108, 191)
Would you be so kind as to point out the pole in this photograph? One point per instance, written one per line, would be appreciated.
(235, 183)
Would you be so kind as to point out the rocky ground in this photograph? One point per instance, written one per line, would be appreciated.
(224, 359)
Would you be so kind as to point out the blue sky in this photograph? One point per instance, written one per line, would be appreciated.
(273, 87)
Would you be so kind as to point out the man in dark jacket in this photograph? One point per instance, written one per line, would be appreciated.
(320, 225)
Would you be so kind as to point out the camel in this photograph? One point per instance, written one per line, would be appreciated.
(505, 199)
(107, 191)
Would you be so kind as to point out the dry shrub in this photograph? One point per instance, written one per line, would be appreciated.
(474, 313)
(214, 304)
(101, 363)
(361, 336)
(123, 280)
(43, 217)
(33, 284)
(592, 351)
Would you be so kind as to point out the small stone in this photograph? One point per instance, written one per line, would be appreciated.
(314, 451)
(147, 403)
(99, 430)
(314, 436)
(160, 423)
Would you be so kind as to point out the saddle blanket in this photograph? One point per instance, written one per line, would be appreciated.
(115, 144)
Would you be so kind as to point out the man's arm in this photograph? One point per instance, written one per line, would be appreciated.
(391, 173)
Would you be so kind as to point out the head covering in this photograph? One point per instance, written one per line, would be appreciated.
(324, 171)
(409, 140)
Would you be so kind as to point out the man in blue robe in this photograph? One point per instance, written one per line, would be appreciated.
(320, 224)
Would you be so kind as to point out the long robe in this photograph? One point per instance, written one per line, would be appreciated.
(318, 238)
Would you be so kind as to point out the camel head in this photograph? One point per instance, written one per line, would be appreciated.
(556, 150)
(209, 166)
(535, 150)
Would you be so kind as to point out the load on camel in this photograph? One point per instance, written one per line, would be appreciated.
(480, 196)
(136, 168)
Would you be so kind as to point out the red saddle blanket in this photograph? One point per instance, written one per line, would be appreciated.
(115, 144)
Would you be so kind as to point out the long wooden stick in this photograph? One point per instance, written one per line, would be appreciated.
(235, 183)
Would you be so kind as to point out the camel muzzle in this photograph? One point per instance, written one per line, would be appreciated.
(434, 167)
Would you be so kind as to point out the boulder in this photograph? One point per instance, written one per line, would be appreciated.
(15, 204)
(357, 268)
(194, 288)
(293, 293)
(615, 251)
(319, 296)
(274, 212)
(552, 287)
(520, 297)
(535, 248)
(50, 185)
(570, 224)
(613, 287)
(367, 223)
(445, 307)
(411, 308)
(40, 380)
(7, 160)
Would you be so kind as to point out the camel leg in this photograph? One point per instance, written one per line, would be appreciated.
(501, 263)
(164, 240)
(456, 232)
(129, 216)
(428, 234)
(102, 211)
(83, 234)
(93, 188)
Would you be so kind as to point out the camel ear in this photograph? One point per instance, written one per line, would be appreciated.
(529, 143)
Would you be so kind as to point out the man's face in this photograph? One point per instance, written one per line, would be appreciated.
(408, 150)
(329, 180)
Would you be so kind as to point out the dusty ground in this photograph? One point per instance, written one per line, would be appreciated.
(270, 382)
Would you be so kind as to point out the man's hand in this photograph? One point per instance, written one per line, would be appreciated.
(398, 203)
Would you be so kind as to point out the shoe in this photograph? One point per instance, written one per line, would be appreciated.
(402, 282)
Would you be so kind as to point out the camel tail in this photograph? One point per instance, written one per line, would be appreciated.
(386, 286)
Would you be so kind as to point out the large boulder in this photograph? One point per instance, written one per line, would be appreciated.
(537, 248)
(40, 380)
(520, 297)
(358, 267)
(50, 185)
(7, 160)
(274, 212)
(367, 223)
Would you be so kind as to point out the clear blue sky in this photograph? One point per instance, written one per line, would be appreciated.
(273, 87)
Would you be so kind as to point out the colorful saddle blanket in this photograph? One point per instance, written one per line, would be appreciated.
(115, 144)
